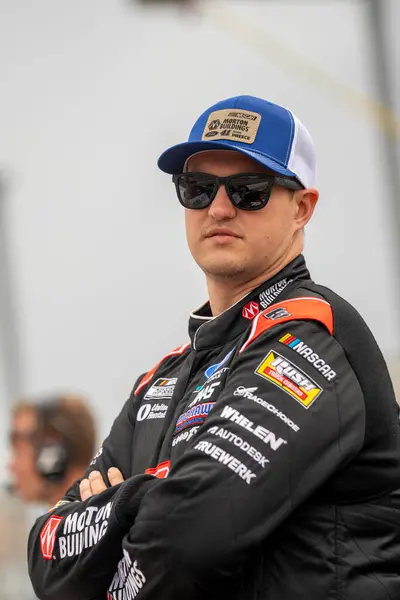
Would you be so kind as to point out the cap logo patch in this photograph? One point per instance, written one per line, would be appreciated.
(232, 124)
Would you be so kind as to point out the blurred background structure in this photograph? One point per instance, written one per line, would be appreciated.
(93, 260)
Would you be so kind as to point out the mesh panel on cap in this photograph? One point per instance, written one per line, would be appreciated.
(302, 155)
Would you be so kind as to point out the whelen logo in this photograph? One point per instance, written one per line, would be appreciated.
(48, 536)
(251, 310)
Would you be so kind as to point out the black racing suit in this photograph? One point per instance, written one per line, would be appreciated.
(262, 461)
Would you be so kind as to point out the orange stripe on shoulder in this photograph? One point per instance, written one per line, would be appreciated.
(148, 377)
(296, 309)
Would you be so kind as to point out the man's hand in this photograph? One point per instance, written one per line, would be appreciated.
(95, 482)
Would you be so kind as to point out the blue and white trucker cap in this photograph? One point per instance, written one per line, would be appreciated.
(266, 132)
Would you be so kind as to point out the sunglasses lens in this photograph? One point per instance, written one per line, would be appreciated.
(195, 190)
(250, 193)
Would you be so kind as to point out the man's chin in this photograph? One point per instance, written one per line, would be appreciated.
(223, 269)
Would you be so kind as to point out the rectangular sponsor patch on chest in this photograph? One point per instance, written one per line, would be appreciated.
(290, 378)
(161, 388)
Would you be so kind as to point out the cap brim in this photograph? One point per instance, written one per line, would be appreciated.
(173, 160)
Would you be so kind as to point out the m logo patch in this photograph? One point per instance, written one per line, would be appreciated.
(161, 471)
(284, 374)
(48, 536)
(250, 310)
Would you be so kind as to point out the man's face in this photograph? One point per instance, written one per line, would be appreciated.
(253, 240)
(28, 484)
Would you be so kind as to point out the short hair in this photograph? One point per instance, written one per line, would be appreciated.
(70, 418)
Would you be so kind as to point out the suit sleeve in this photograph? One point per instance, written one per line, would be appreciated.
(80, 541)
(283, 425)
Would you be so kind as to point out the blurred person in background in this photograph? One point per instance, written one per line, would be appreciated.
(262, 459)
(52, 440)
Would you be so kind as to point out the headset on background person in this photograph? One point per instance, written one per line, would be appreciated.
(53, 452)
(52, 440)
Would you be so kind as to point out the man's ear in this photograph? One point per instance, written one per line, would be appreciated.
(306, 201)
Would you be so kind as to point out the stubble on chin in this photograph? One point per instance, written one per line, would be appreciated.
(222, 268)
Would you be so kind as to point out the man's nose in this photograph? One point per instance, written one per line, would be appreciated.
(221, 207)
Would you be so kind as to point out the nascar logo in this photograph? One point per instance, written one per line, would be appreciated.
(284, 374)
(308, 353)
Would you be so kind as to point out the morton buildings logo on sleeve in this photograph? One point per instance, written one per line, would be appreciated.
(127, 581)
(83, 530)
(284, 374)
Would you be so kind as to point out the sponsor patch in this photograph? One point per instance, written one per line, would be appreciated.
(249, 393)
(161, 470)
(194, 416)
(277, 313)
(161, 389)
(239, 442)
(152, 411)
(226, 459)
(48, 536)
(127, 581)
(185, 436)
(308, 353)
(232, 124)
(213, 368)
(217, 375)
(251, 310)
(205, 392)
(267, 436)
(291, 379)
(213, 372)
(83, 530)
(268, 296)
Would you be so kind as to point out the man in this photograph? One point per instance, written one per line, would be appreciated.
(262, 459)
(51, 443)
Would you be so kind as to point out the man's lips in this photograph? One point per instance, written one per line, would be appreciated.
(220, 231)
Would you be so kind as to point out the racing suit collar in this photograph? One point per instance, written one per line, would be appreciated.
(206, 331)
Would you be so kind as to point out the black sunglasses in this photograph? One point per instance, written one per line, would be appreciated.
(247, 191)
